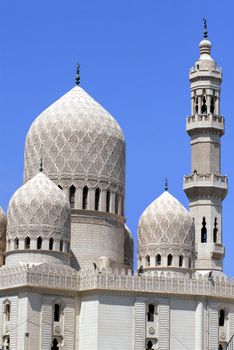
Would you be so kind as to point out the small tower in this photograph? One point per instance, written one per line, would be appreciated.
(206, 188)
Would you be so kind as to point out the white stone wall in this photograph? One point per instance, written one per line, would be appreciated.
(88, 323)
(93, 236)
(35, 257)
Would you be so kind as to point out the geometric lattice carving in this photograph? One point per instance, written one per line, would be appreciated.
(166, 227)
(39, 208)
(77, 139)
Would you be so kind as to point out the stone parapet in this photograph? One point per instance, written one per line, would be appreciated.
(205, 121)
(114, 281)
(205, 185)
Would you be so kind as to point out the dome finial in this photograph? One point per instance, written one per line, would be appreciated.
(78, 74)
(205, 29)
(41, 166)
(166, 184)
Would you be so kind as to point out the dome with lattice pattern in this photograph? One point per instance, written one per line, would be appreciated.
(77, 139)
(165, 227)
(39, 208)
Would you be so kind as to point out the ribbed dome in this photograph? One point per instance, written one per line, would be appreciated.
(77, 139)
(39, 208)
(165, 227)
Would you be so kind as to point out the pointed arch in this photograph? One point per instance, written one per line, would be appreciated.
(107, 200)
(147, 260)
(27, 242)
(158, 260)
(97, 198)
(181, 261)
(39, 242)
(169, 260)
(85, 197)
(61, 245)
(72, 194)
(203, 231)
(16, 243)
(51, 244)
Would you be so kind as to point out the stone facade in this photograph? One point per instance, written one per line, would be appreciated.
(68, 281)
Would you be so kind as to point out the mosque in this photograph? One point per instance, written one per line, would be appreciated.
(66, 254)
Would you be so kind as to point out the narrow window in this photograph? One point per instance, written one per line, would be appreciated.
(204, 231)
(39, 243)
(116, 203)
(181, 259)
(196, 105)
(61, 245)
(204, 106)
(149, 345)
(85, 197)
(221, 317)
(158, 260)
(212, 108)
(55, 344)
(215, 231)
(16, 243)
(57, 312)
(72, 192)
(147, 259)
(150, 313)
(107, 200)
(189, 263)
(7, 312)
(59, 186)
(97, 198)
(51, 244)
(27, 243)
(169, 260)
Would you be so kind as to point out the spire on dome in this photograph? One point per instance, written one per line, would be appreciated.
(78, 74)
(205, 29)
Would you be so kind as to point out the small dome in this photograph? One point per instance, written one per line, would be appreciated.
(165, 227)
(205, 50)
(77, 139)
(39, 208)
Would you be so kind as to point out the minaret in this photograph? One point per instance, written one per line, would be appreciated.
(206, 188)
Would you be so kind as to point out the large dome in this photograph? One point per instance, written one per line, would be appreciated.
(39, 208)
(165, 227)
(77, 139)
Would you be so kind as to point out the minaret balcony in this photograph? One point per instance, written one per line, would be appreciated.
(205, 121)
(205, 185)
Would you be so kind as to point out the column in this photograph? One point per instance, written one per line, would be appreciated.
(199, 325)
(103, 200)
(112, 203)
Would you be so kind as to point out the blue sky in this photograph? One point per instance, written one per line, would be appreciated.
(135, 57)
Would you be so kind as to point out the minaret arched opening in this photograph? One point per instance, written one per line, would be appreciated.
(72, 193)
(85, 198)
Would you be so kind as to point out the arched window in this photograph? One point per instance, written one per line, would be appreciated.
(39, 242)
(204, 231)
(61, 245)
(57, 312)
(55, 344)
(72, 192)
(85, 197)
(116, 203)
(51, 244)
(221, 317)
(169, 260)
(204, 106)
(212, 105)
(16, 243)
(6, 342)
(158, 260)
(7, 311)
(149, 345)
(150, 313)
(147, 260)
(181, 260)
(97, 198)
(107, 200)
(215, 231)
(27, 243)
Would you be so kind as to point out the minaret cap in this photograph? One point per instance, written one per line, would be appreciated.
(205, 45)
